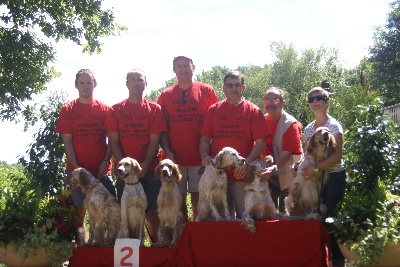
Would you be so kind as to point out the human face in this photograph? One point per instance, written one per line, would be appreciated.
(85, 85)
(136, 83)
(273, 104)
(183, 68)
(233, 89)
(319, 101)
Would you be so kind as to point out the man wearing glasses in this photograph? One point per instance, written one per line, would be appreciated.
(284, 144)
(237, 123)
(134, 129)
(184, 105)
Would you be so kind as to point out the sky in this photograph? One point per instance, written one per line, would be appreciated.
(227, 33)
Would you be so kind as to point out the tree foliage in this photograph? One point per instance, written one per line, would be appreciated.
(296, 73)
(27, 31)
(46, 163)
(385, 57)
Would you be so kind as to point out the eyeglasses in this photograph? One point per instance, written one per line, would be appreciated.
(272, 100)
(184, 97)
(318, 98)
(236, 85)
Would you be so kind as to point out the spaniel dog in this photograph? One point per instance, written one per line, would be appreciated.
(169, 203)
(102, 207)
(304, 199)
(258, 203)
(213, 186)
(133, 201)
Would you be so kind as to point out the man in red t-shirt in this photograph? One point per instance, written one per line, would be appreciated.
(284, 144)
(237, 123)
(184, 105)
(134, 129)
(81, 124)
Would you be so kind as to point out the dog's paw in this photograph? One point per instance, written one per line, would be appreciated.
(249, 224)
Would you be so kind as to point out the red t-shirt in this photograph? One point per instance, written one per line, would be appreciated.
(238, 127)
(135, 124)
(86, 124)
(185, 120)
(291, 140)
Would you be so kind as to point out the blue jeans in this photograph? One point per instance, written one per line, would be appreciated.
(331, 195)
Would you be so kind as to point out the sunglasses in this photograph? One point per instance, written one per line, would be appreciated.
(184, 97)
(318, 98)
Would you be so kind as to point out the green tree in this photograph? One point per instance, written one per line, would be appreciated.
(46, 163)
(385, 57)
(27, 31)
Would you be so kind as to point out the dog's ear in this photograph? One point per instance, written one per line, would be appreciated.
(135, 167)
(157, 172)
(176, 172)
(332, 144)
(250, 175)
(84, 177)
(311, 144)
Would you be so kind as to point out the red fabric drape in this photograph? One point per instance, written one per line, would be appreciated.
(276, 243)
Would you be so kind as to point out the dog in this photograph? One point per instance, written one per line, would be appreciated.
(133, 201)
(213, 204)
(102, 207)
(169, 203)
(304, 198)
(258, 203)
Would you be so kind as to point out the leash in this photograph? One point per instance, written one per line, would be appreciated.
(201, 170)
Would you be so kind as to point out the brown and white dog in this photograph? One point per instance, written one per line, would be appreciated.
(133, 201)
(102, 207)
(213, 204)
(258, 203)
(304, 200)
(169, 202)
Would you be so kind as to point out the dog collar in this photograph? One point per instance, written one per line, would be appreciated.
(132, 183)
(215, 168)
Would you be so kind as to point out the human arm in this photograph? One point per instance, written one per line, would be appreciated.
(151, 153)
(103, 168)
(165, 145)
(69, 149)
(240, 171)
(115, 145)
(204, 149)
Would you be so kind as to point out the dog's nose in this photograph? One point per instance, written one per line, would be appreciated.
(120, 171)
(165, 173)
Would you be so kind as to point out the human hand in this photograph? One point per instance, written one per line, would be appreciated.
(206, 160)
(170, 155)
(240, 171)
(295, 168)
(145, 166)
(103, 168)
(268, 172)
(308, 171)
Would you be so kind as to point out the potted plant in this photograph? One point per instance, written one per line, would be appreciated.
(368, 218)
(34, 222)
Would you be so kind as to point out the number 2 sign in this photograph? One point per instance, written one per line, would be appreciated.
(126, 252)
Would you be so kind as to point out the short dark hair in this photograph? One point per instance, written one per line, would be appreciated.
(234, 74)
(136, 71)
(178, 57)
(85, 71)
